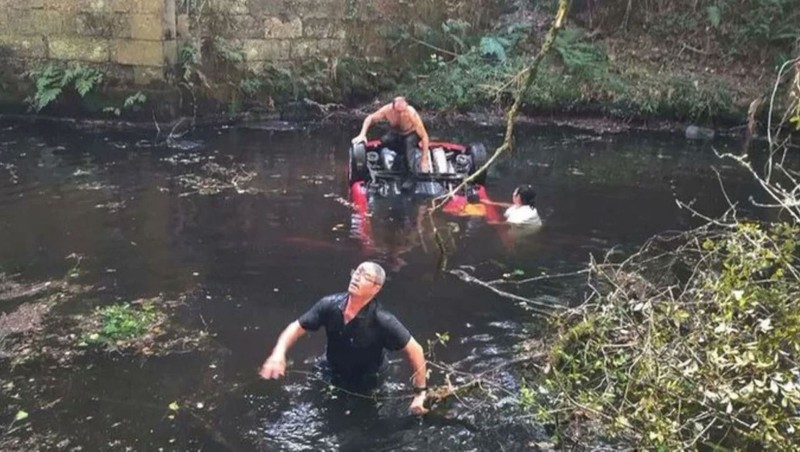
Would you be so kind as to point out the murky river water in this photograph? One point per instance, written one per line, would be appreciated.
(252, 255)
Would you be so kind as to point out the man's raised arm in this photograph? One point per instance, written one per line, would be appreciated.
(378, 115)
(275, 365)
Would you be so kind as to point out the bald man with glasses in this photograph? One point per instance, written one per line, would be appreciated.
(359, 331)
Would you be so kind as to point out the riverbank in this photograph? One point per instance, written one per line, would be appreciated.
(614, 66)
(433, 120)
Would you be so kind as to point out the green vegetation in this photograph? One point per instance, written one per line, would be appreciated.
(52, 81)
(692, 342)
(131, 102)
(706, 354)
(124, 322)
(683, 76)
(578, 78)
(694, 60)
(743, 25)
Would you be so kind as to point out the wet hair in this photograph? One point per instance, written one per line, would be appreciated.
(527, 195)
(377, 270)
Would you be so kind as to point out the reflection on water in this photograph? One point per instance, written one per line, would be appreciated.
(255, 226)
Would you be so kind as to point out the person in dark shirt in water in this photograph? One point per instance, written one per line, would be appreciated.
(358, 330)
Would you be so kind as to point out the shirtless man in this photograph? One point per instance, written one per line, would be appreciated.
(406, 131)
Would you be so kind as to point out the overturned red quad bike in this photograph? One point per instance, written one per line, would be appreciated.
(376, 170)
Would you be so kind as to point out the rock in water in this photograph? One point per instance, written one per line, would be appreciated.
(699, 133)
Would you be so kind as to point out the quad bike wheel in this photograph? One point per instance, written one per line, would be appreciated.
(357, 163)
(479, 157)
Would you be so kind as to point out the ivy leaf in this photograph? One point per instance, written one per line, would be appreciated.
(492, 47)
(21, 416)
(714, 15)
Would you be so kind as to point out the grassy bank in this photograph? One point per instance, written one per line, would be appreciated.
(700, 61)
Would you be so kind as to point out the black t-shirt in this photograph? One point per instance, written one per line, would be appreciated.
(356, 349)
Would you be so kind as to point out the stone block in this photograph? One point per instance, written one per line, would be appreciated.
(144, 75)
(266, 49)
(170, 52)
(24, 47)
(320, 9)
(323, 28)
(36, 22)
(96, 5)
(139, 53)
(245, 26)
(147, 27)
(236, 7)
(305, 48)
(119, 73)
(183, 27)
(121, 6)
(310, 48)
(62, 5)
(146, 6)
(276, 28)
(99, 24)
(169, 20)
(255, 67)
(261, 8)
(79, 49)
(7, 19)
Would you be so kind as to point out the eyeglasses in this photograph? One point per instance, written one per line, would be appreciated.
(361, 273)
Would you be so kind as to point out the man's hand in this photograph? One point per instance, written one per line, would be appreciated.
(359, 139)
(425, 165)
(418, 405)
(274, 367)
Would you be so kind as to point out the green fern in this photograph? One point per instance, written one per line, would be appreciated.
(52, 80)
(134, 100)
(578, 55)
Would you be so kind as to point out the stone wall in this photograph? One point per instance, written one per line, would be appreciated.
(134, 40)
(291, 31)
(137, 41)
(138, 44)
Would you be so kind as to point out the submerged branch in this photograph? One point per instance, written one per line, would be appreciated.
(443, 392)
(471, 279)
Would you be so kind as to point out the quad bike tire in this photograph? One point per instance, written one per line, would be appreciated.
(357, 164)
(479, 157)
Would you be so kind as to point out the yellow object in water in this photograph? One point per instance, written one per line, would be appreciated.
(474, 210)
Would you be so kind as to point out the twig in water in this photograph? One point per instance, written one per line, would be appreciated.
(471, 279)
(537, 278)
(158, 128)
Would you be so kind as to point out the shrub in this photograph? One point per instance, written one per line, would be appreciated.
(690, 345)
